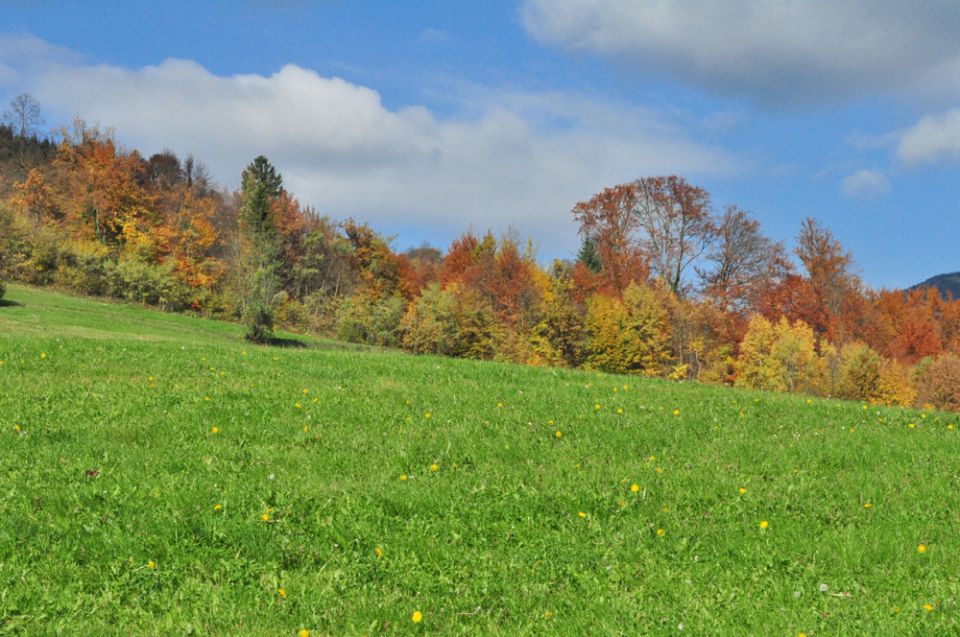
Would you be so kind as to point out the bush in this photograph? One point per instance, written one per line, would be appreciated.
(859, 374)
(938, 382)
(3, 290)
(149, 284)
(430, 324)
(372, 321)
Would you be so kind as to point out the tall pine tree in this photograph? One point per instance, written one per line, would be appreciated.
(262, 185)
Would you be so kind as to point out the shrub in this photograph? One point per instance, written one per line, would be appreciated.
(938, 382)
(3, 290)
(859, 374)
(149, 284)
(430, 324)
(362, 319)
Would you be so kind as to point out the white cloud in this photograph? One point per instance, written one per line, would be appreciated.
(933, 137)
(776, 50)
(510, 159)
(865, 184)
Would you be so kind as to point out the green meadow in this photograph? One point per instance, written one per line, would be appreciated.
(160, 476)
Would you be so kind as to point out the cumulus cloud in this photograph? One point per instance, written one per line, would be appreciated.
(932, 138)
(507, 160)
(779, 50)
(865, 184)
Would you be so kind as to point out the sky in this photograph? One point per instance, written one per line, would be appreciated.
(431, 118)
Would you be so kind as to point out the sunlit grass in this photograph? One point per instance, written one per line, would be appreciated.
(159, 476)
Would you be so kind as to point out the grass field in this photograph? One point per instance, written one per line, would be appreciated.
(159, 476)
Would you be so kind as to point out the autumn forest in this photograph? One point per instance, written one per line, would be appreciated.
(667, 283)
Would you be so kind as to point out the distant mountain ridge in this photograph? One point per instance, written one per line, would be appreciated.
(946, 283)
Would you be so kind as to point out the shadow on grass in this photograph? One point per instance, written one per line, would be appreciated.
(279, 341)
(9, 303)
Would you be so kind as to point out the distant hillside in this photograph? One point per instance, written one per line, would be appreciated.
(946, 283)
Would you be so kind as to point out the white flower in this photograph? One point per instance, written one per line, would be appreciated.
(824, 588)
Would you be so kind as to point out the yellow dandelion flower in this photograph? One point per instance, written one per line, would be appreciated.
(801, 634)
(217, 507)
(928, 607)
(582, 514)
(378, 551)
(558, 434)
(597, 406)
(306, 428)
(17, 428)
(651, 458)
(403, 477)
(548, 614)
(305, 391)
(43, 355)
(265, 517)
(912, 426)
(923, 416)
(676, 412)
(215, 430)
(499, 405)
(151, 564)
(434, 467)
(298, 405)
(206, 398)
(550, 422)
(867, 505)
(742, 490)
(661, 532)
(281, 593)
(950, 426)
(427, 415)
(659, 469)
(921, 548)
(303, 633)
(620, 410)
(635, 487)
(764, 524)
(417, 617)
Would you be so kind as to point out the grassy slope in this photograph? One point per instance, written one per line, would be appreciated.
(492, 542)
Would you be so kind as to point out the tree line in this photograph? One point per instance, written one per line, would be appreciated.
(663, 285)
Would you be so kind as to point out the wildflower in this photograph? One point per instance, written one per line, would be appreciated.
(764, 524)
(499, 405)
(43, 356)
(378, 551)
(151, 564)
(801, 634)
(911, 426)
(215, 430)
(928, 607)
(265, 517)
(17, 428)
(742, 490)
(558, 434)
(434, 467)
(417, 617)
(303, 633)
(597, 406)
(217, 507)
(661, 532)
(823, 588)
(921, 548)
(659, 469)
(427, 415)
(582, 514)
(665, 509)
(635, 487)
(305, 391)
(548, 614)
(651, 458)
(403, 477)
(620, 410)
(306, 428)
(281, 593)
(867, 505)
(298, 405)
(676, 412)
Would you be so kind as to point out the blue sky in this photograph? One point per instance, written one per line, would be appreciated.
(428, 118)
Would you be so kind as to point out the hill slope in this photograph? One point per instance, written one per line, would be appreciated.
(160, 476)
(945, 283)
